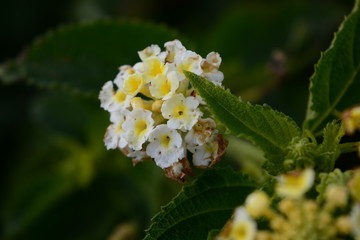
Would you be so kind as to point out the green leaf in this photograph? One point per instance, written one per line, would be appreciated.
(336, 177)
(329, 150)
(202, 206)
(83, 57)
(336, 81)
(270, 130)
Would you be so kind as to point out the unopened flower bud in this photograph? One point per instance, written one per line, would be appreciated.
(257, 203)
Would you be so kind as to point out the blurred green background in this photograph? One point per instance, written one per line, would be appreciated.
(57, 179)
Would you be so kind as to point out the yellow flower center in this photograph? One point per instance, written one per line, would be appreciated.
(165, 88)
(133, 84)
(154, 67)
(180, 111)
(165, 141)
(240, 231)
(141, 127)
(120, 96)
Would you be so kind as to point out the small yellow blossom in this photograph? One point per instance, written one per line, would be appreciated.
(164, 86)
(336, 196)
(257, 204)
(182, 112)
(112, 100)
(294, 184)
(137, 126)
(151, 51)
(351, 119)
(133, 84)
(165, 146)
(153, 67)
(242, 227)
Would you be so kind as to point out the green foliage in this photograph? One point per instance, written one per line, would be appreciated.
(270, 130)
(306, 152)
(336, 177)
(329, 150)
(336, 81)
(82, 57)
(203, 206)
(300, 153)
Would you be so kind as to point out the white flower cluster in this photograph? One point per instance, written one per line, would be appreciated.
(155, 113)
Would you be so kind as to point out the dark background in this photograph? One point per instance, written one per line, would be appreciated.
(48, 188)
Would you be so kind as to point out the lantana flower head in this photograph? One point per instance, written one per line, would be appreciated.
(156, 114)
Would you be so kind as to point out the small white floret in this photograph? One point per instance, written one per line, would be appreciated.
(243, 226)
(165, 146)
(125, 71)
(189, 61)
(114, 137)
(137, 126)
(111, 100)
(164, 86)
(182, 112)
(151, 51)
(173, 48)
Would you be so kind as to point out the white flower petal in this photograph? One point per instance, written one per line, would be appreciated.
(182, 112)
(165, 146)
(137, 126)
(106, 94)
(215, 77)
(173, 48)
(189, 61)
(151, 51)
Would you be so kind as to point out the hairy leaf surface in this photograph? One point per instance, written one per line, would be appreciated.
(270, 130)
(201, 207)
(336, 81)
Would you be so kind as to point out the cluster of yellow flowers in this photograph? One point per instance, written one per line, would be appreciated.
(156, 114)
(292, 216)
(351, 119)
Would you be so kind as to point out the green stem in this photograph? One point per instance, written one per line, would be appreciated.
(349, 147)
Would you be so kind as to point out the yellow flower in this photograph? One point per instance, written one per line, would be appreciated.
(138, 126)
(257, 203)
(243, 227)
(153, 67)
(111, 100)
(182, 112)
(164, 86)
(351, 119)
(294, 184)
(133, 84)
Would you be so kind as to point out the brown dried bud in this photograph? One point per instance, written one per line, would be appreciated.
(179, 170)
